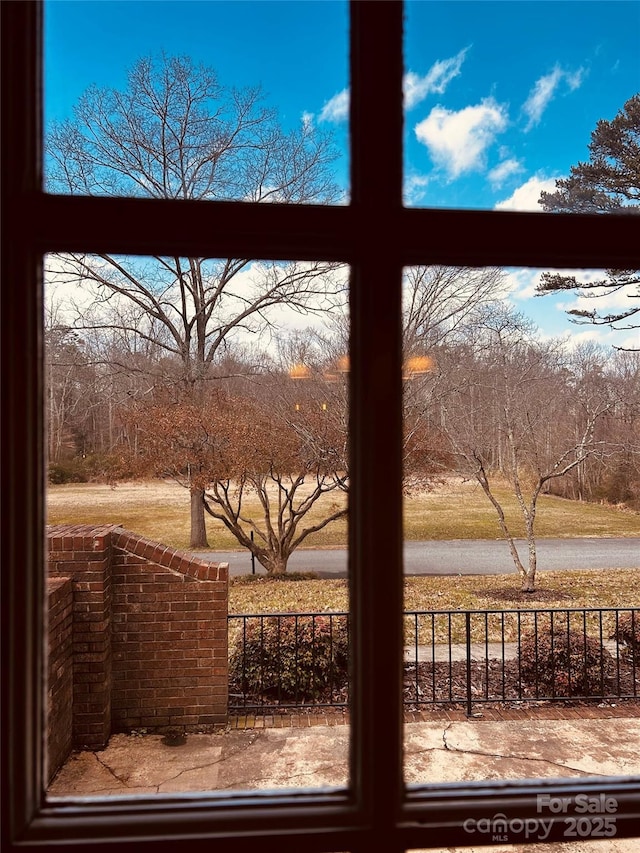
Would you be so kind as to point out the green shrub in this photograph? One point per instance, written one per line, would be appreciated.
(290, 658)
(68, 471)
(564, 664)
(92, 468)
(627, 634)
(109, 467)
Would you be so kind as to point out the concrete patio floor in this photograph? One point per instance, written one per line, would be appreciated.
(312, 752)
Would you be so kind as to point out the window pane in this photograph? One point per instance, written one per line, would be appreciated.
(199, 100)
(520, 598)
(197, 511)
(502, 99)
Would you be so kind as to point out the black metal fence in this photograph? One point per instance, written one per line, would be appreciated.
(452, 658)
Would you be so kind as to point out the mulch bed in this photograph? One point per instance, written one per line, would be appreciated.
(445, 685)
(516, 596)
(336, 695)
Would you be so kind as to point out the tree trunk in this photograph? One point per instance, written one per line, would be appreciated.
(529, 576)
(275, 564)
(529, 581)
(198, 527)
(482, 479)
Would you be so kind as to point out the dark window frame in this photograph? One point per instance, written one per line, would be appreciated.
(377, 237)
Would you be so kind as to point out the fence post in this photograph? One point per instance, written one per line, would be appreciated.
(467, 619)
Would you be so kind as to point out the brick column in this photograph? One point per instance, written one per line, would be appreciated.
(60, 672)
(83, 553)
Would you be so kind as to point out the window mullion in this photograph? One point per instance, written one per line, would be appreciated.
(22, 447)
(375, 404)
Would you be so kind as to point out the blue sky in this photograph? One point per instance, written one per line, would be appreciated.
(524, 88)
(501, 97)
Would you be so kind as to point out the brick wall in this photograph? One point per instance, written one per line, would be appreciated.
(60, 673)
(149, 633)
(170, 662)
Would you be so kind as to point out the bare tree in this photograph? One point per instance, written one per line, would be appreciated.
(522, 390)
(293, 459)
(176, 132)
(283, 448)
(617, 478)
(66, 384)
(437, 301)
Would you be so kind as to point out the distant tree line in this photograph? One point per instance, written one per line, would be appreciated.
(485, 397)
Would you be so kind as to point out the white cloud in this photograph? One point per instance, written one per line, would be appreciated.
(549, 312)
(436, 79)
(603, 299)
(526, 196)
(504, 170)
(414, 189)
(603, 335)
(544, 91)
(66, 294)
(457, 141)
(541, 95)
(416, 88)
(574, 79)
(521, 282)
(337, 108)
(307, 121)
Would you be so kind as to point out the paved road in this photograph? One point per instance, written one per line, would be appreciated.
(461, 556)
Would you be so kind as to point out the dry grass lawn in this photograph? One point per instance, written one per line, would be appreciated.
(556, 590)
(160, 510)
(566, 589)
